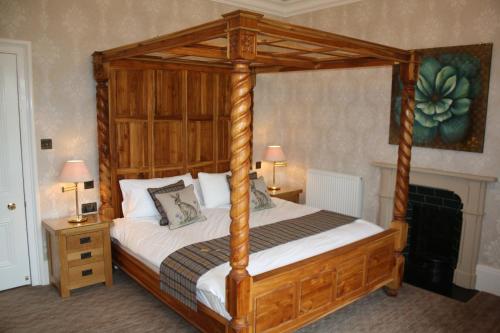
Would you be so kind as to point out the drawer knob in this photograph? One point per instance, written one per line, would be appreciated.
(85, 240)
(87, 272)
(86, 255)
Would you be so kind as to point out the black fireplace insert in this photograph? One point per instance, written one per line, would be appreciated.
(435, 224)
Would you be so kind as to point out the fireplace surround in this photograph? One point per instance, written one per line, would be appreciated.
(472, 191)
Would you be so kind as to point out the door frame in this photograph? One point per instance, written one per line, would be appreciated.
(22, 49)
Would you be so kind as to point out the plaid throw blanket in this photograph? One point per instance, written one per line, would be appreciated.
(181, 270)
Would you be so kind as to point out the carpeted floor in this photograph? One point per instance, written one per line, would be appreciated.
(128, 308)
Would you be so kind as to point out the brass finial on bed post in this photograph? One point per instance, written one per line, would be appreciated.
(409, 77)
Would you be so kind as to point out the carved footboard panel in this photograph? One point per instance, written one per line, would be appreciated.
(292, 296)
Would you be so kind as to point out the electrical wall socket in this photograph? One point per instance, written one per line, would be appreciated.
(89, 184)
(90, 207)
(258, 165)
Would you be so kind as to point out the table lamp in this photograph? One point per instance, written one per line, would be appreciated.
(275, 154)
(75, 171)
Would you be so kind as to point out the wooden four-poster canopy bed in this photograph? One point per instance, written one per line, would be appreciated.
(182, 102)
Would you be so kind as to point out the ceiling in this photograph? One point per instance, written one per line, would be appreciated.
(285, 8)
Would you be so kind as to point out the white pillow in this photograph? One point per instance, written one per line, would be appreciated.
(136, 200)
(215, 189)
(198, 192)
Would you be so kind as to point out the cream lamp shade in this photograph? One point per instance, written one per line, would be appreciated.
(75, 171)
(274, 154)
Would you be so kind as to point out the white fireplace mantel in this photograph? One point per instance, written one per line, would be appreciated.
(472, 191)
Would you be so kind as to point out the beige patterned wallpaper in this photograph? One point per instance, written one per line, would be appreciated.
(336, 120)
(339, 120)
(64, 34)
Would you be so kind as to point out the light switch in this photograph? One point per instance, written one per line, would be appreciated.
(46, 143)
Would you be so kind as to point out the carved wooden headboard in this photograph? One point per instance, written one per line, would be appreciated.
(163, 120)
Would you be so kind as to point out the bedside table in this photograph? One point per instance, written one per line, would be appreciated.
(288, 194)
(79, 253)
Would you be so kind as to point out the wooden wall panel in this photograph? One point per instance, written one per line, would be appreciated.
(209, 167)
(168, 95)
(167, 143)
(132, 144)
(224, 122)
(133, 95)
(159, 173)
(224, 96)
(166, 122)
(194, 91)
(202, 91)
(223, 135)
(200, 142)
(222, 166)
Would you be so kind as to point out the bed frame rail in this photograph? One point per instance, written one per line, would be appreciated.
(205, 319)
(289, 297)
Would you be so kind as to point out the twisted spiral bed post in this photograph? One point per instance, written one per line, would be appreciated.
(239, 281)
(101, 77)
(409, 77)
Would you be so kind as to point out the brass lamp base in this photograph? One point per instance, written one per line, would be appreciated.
(275, 187)
(78, 219)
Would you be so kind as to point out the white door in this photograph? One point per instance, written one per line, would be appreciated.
(14, 259)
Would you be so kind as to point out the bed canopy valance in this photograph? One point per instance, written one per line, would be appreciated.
(236, 47)
(267, 45)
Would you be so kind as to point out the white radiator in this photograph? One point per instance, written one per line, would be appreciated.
(336, 192)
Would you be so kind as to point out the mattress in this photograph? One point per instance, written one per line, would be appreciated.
(151, 243)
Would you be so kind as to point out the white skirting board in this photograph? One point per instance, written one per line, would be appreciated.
(488, 279)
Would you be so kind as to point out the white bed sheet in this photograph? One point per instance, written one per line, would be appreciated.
(151, 243)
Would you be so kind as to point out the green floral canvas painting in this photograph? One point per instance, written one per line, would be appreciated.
(451, 98)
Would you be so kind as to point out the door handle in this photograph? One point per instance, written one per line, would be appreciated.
(11, 206)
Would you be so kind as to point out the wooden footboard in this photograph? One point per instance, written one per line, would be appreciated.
(292, 296)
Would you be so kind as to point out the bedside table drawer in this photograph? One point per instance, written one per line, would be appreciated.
(84, 275)
(89, 240)
(84, 257)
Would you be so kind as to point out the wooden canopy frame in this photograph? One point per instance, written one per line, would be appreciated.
(243, 43)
